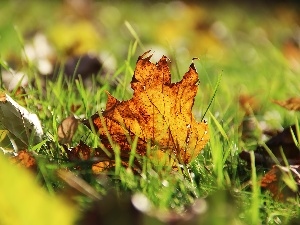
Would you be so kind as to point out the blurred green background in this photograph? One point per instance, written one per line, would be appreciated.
(239, 40)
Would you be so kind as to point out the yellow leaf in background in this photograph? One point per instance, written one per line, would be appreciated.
(23, 201)
(74, 39)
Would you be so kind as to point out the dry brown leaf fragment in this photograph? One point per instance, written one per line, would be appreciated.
(80, 152)
(249, 104)
(270, 181)
(291, 51)
(67, 129)
(159, 113)
(273, 181)
(95, 158)
(99, 167)
(290, 104)
(26, 159)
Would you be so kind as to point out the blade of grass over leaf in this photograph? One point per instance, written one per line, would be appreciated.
(118, 163)
(133, 151)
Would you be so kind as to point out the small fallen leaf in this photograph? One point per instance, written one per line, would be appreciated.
(290, 104)
(67, 129)
(159, 114)
(271, 182)
(80, 152)
(248, 103)
(291, 51)
(25, 127)
(278, 183)
(26, 159)
(95, 158)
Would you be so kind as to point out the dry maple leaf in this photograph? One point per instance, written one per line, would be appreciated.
(159, 114)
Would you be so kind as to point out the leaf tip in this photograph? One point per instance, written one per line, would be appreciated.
(143, 57)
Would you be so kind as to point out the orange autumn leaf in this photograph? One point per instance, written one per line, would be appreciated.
(271, 182)
(159, 114)
(290, 104)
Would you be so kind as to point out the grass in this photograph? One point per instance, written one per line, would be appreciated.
(229, 187)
